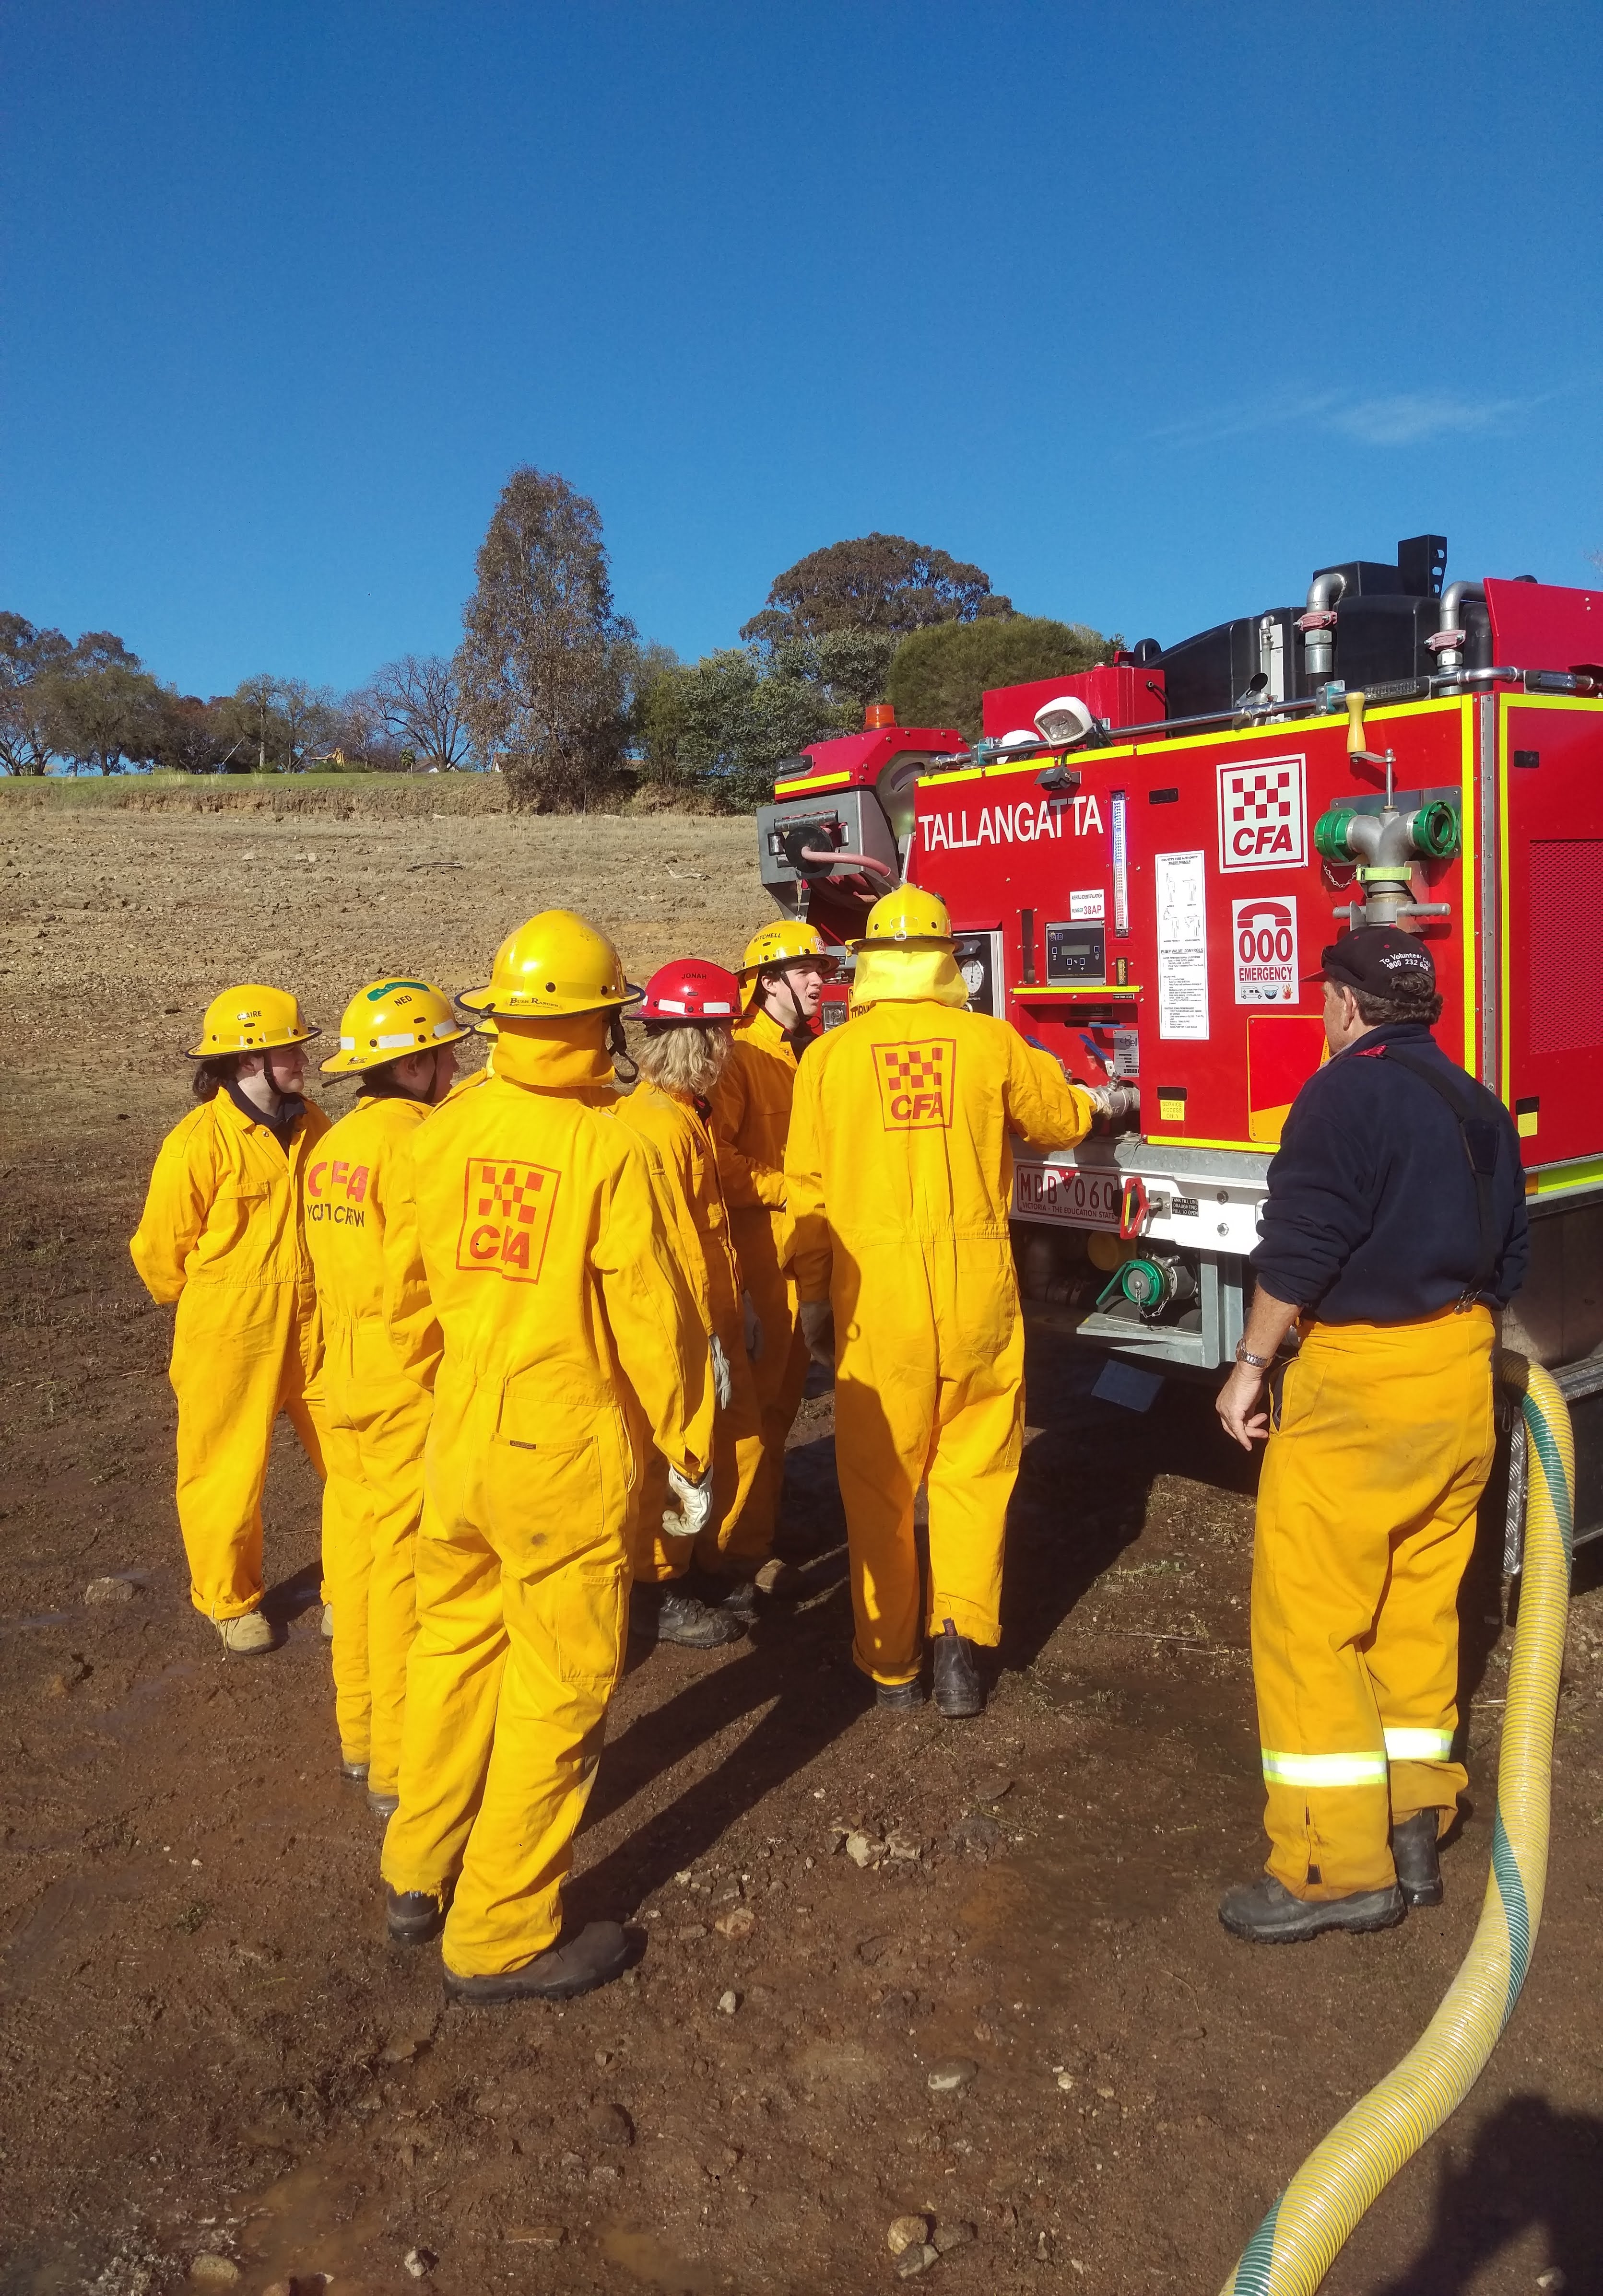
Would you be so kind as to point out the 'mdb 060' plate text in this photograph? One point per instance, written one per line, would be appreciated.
(1058, 1192)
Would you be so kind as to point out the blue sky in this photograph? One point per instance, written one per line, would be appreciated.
(1149, 309)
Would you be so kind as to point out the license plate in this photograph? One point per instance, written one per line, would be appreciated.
(1059, 1192)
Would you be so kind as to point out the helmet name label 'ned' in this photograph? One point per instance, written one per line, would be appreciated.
(507, 1207)
(1261, 814)
(916, 1084)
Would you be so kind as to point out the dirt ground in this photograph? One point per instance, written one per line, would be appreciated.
(208, 2050)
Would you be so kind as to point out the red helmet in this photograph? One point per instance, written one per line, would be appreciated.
(690, 988)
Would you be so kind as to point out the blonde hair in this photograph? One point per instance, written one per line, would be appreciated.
(685, 1058)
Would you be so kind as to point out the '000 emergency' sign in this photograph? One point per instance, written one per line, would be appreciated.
(1264, 935)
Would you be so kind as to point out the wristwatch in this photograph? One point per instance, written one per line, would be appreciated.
(1258, 1363)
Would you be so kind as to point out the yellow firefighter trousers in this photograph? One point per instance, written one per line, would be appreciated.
(725, 1545)
(1365, 1523)
(523, 1578)
(779, 1375)
(929, 1389)
(238, 1358)
(377, 1423)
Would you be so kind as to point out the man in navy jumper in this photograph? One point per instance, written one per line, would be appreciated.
(1395, 1229)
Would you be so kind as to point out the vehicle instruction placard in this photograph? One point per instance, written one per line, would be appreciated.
(1264, 935)
(1182, 945)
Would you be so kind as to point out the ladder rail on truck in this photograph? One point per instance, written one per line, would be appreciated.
(1139, 881)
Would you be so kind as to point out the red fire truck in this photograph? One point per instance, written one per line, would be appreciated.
(1142, 862)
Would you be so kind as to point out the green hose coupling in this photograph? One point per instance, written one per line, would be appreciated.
(1435, 829)
(1330, 833)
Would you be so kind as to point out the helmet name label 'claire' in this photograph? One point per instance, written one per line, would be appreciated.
(506, 1208)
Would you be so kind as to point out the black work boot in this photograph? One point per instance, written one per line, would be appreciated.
(958, 1693)
(354, 1773)
(594, 1957)
(662, 1614)
(1265, 1912)
(898, 1697)
(412, 1917)
(382, 1802)
(1414, 1855)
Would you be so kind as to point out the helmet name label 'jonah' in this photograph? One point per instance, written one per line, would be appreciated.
(1026, 823)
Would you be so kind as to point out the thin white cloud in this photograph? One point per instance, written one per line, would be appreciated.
(1410, 416)
(1406, 418)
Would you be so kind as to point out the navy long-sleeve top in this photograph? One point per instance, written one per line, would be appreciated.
(1371, 1213)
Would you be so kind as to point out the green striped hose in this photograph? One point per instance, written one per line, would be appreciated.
(1298, 2240)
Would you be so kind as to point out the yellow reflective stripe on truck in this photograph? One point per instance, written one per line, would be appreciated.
(1323, 1769)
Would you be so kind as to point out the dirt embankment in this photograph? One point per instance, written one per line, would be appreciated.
(208, 2049)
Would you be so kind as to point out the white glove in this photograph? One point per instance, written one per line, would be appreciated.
(1113, 1101)
(695, 1504)
(753, 1324)
(817, 1329)
(723, 1378)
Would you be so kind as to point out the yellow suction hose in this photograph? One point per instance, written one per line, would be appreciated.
(1298, 2240)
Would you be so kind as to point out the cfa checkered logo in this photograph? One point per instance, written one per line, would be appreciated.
(915, 1084)
(506, 1208)
(1261, 814)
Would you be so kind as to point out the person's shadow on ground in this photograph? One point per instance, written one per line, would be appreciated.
(1531, 2165)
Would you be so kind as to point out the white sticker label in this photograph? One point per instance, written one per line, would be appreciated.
(1087, 908)
(1182, 945)
(1127, 1054)
(1264, 932)
(1261, 814)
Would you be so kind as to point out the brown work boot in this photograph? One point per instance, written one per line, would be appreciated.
(594, 1957)
(248, 1636)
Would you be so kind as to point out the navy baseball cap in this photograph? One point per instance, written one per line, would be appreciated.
(1378, 960)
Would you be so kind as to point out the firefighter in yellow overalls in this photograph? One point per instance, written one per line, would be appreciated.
(530, 1283)
(898, 1175)
(783, 971)
(398, 1036)
(1395, 1229)
(222, 1235)
(688, 1009)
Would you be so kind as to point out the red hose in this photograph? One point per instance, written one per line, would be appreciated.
(857, 860)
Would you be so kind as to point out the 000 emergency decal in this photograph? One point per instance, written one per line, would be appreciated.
(916, 1084)
(1261, 814)
(505, 1217)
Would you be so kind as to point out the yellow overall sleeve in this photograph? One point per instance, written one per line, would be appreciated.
(176, 1203)
(1043, 1107)
(747, 1180)
(810, 1251)
(410, 1315)
(656, 1325)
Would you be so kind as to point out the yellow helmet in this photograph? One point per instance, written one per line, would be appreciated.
(390, 1019)
(781, 943)
(556, 963)
(251, 1019)
(909, 914)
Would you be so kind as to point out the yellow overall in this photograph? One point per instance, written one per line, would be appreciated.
(377, 1422)
(750, 1117)
(701, 1237)
(221, 1233)
(1365, 1523)
(528, 1281)
(900, 1177)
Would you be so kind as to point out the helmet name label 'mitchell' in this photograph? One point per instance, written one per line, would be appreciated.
(915, 1084)
(506, 1208)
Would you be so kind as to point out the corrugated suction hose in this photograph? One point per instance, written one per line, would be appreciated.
(1300, 2238)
